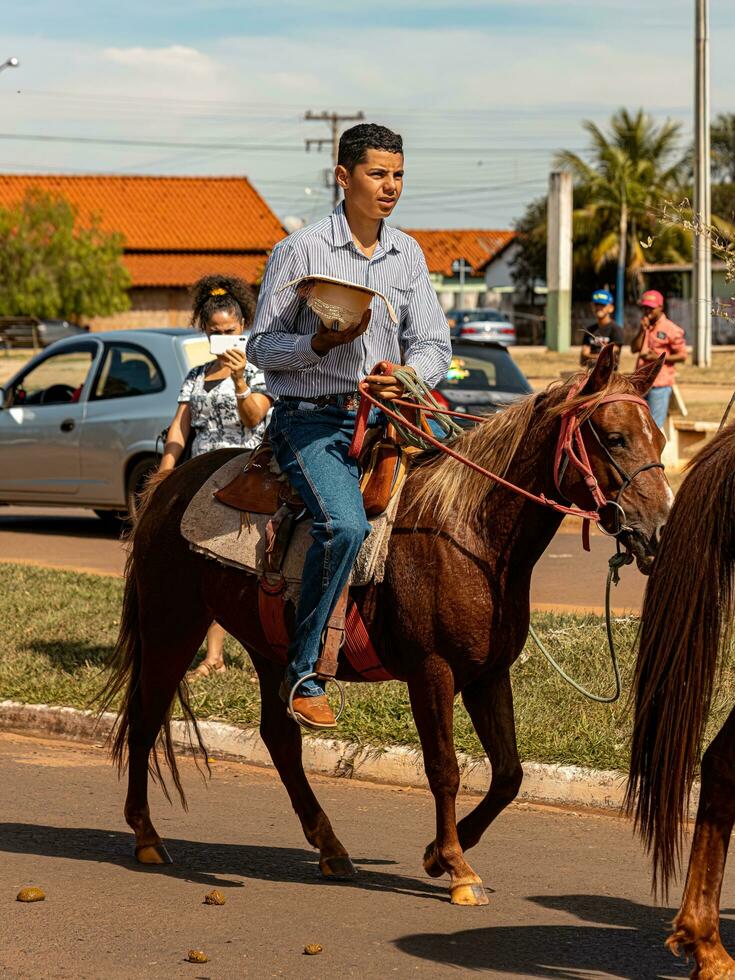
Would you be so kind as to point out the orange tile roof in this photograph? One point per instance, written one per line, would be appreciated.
(177, 269)
(158, 213)
(476, 246)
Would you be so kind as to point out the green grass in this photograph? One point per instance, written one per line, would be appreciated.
(59, 627)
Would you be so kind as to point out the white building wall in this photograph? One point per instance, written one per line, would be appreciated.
(498, 272)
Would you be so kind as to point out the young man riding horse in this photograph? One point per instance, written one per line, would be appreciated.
(314, 372)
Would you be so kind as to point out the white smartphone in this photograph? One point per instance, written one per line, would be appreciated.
(220, 342)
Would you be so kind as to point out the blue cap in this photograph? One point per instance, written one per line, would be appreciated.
(603, 298)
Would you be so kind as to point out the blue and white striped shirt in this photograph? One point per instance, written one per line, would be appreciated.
(280, 341)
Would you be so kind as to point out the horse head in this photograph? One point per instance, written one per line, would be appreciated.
(624, 448)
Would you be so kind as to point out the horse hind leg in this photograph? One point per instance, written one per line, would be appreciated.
(431, 690)
(697, 924)
(167, 649)
(282, 737)
(489, 703)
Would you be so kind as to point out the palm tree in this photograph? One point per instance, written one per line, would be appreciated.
(723, 146)
(631, 172)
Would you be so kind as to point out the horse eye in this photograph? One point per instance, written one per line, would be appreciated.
(615, 439)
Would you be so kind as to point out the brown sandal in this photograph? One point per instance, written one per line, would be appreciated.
(204, 671)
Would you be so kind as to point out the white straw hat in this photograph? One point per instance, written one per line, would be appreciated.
(339, 304)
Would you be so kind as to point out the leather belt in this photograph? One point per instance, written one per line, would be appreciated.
(349, 401)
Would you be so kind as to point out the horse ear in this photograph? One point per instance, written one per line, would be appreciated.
(646, 374)
(602, 371)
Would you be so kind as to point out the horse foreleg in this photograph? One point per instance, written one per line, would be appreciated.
(489, 703)
(431, 690)
(697, 924)
(282, 737)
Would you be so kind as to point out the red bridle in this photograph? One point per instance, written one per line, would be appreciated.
(570, 445)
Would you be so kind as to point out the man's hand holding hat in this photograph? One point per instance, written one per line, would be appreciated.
(328, 337)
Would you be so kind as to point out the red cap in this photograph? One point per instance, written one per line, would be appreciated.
(651, 298)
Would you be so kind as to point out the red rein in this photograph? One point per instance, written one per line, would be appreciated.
(570, 442)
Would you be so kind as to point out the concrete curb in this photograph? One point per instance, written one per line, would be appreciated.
(396, 765)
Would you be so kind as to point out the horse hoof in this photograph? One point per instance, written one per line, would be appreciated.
(431, 863)
(152, 854)
(339, 868)
(473, 894)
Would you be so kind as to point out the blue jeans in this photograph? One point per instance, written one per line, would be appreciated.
(658, 401)
(311, 447)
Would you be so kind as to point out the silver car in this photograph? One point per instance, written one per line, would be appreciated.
(79, 423)
(487, 324)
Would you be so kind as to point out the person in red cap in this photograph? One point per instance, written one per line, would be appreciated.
(658, 335)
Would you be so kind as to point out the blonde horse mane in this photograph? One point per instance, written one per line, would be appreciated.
(450, 489)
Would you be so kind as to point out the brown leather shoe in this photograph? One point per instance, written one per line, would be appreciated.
(314, 712)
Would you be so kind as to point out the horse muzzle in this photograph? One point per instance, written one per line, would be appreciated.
(642, 544)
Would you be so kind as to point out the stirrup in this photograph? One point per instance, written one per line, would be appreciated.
(308, 677)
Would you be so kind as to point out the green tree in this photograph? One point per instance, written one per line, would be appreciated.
(52, 266)
(723, 146)
(631, 173)
(632, 170)
(529, 263)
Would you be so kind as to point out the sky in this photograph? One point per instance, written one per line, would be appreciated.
(483, 92)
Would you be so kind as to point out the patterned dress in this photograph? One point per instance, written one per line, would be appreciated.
(214, 417)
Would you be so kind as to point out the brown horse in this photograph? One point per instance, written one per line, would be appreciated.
(686, 624)
(451, 615)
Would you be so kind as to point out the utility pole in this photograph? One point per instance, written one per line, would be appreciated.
(333, 119)
(559, 262)
(702, 193)
(461, 267)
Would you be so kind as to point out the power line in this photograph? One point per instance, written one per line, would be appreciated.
(175, 144)
(573, 109)
(428, 150)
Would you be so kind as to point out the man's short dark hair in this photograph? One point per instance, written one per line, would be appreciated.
(355, 142)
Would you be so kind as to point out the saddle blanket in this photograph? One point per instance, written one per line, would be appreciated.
(234, 538)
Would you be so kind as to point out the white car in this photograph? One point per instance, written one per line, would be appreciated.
(487, 324)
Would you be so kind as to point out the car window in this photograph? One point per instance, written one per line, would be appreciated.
(485, 316)
(127, 371)
(57, 380)
(486, 368)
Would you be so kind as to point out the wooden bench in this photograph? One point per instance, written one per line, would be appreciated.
(684, 438)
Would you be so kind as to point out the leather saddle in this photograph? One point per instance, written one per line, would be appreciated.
(262, 489)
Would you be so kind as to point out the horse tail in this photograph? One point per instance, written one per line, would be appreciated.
(125, 665)
(685, 623)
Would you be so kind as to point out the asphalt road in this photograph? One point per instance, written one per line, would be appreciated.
(571, 891)
(565, 577)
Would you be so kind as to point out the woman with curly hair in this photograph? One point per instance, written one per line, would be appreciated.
(224, 402)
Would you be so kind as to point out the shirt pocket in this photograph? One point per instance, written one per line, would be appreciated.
(400, 299)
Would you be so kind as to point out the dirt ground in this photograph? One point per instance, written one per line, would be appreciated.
(570, 895)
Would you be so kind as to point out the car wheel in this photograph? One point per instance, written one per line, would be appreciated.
(136, 483)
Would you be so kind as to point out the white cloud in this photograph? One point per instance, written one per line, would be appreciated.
(440, 87)
(175, 57)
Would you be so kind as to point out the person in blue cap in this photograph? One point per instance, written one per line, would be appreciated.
(604, 331)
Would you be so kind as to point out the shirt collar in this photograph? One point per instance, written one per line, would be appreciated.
(341, 234)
